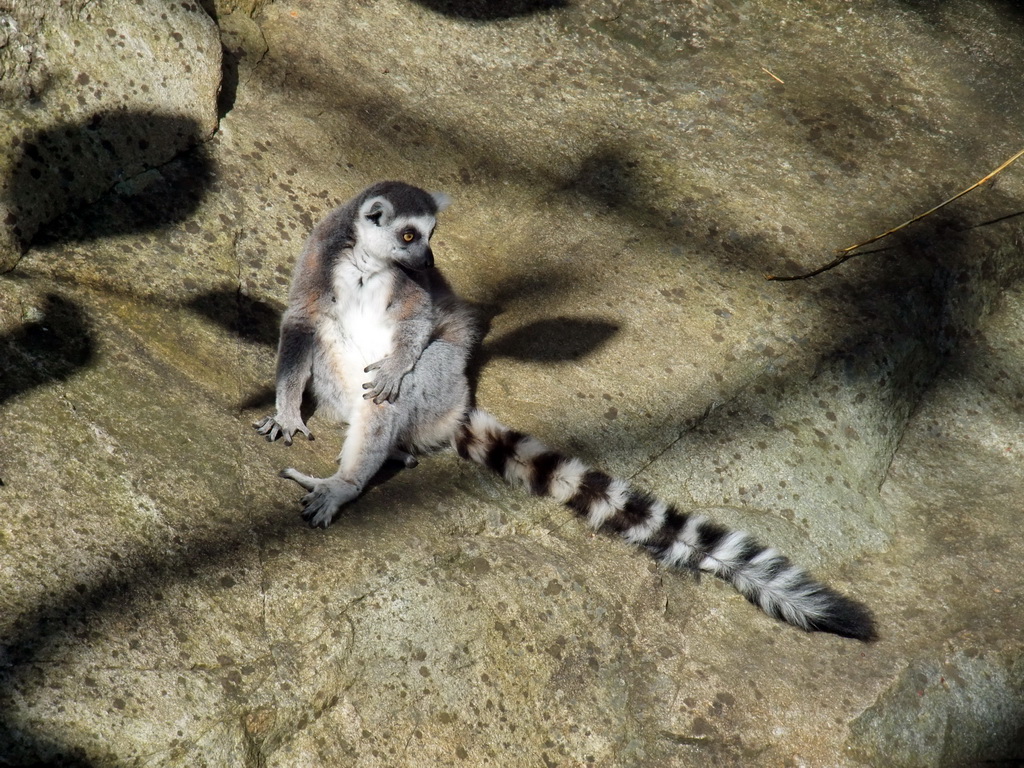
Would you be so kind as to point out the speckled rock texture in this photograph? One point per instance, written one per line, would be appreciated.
(92, 95)
(624, 174)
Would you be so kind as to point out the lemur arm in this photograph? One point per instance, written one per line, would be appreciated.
(294, 368)
(413, 312)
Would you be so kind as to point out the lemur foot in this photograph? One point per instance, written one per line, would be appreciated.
(325, 499)
(407, 459)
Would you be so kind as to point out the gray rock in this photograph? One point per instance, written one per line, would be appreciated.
(93, 95)
(958, 712)
(624, 173)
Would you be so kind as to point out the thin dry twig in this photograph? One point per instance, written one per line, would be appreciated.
(772, 75)
(848, 253)
(825, 268)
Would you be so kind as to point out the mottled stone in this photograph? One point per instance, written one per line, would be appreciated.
(92, 95)
(623, 176)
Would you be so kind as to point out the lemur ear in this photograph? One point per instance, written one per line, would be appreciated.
(376, 208)
(441, 200)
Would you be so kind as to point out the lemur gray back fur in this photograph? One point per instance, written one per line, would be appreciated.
(378, 335)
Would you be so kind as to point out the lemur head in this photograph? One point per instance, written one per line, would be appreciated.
(395, 222)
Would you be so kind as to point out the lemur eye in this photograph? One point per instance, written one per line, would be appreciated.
(408, 235)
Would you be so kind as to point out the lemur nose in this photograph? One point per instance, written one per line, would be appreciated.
(428, 259)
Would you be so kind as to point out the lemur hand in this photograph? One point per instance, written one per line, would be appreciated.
(277, 426)
(388, 380)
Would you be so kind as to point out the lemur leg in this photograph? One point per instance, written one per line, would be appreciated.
(438, 397)
(370, 440)
(433, 401)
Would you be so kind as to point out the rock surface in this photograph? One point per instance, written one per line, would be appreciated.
(624, 173)
(94, 95)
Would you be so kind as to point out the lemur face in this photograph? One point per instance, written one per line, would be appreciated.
(390, 237)
(413, 240)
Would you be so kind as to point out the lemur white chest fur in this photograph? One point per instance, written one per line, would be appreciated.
(363, 331)
(384, 342)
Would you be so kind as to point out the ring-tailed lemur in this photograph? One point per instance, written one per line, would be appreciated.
(365, 299)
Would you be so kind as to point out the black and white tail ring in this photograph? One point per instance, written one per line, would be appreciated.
(763, 576)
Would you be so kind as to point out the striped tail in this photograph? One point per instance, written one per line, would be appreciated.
(763, 576)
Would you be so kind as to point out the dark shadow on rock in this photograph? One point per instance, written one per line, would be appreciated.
(258, 400)
(491, 10)
(151, 201)
(992, 222)
(526, 289)
(135, 581)
(900, 317)
(553, 340)
(228, 81)
(51, 348)
(523, 288)
(249, 319)
(929, 9)
(930, 283)
(606, 177)
(695, 217)
(14, 742)
(67, 166)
